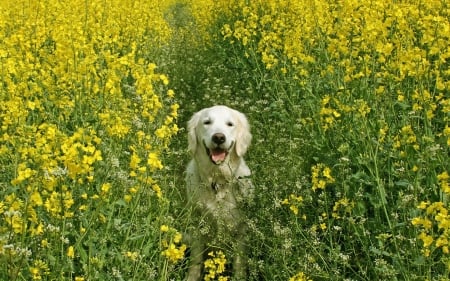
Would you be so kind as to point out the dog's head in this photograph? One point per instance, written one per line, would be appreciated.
(218, 131)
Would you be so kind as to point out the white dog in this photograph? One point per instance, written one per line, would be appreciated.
(218, 181)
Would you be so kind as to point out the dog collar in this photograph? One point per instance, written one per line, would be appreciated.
(215, 186)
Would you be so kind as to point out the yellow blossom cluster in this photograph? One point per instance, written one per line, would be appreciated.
(372, 80)
(266, 29)
(215, 266)
(435, 217)
(328, 114)
(444, 180)
(300, 277)
(406, 138)
(70, 252)
(206, 13)
(81, 106)
(294, 202)
(172, 244)
(321, 176)
(342, 207)
(384, 44)
(133, 256)
(39, 270)
(332, 108)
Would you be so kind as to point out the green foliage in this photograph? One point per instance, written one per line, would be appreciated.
(348, 103)
(349, 110)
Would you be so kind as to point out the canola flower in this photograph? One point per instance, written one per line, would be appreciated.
(300, 277)
(76, 86)
(70, 252)
(434, 225)
(215, 266)
(321, 176)
(385, 41)
(133, 256)
(294, 202)
(173, 248)
(39, 270)
(342, 208)
(79, 95)
(360, 62)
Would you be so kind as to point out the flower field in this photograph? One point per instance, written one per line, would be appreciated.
(85, 117)
(349, 104)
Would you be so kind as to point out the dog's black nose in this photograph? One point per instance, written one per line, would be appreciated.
(218, 138)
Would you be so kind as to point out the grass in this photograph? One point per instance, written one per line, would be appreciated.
(349, 109)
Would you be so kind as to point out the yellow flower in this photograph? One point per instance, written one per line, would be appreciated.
(294, 203)
(44, 243)
(59, 204)
(321, 176)
(443, 179)
(215, 266)
(105, 188)
(327, 174)
(164, 79)
(132, 255)
(174, 253)
(425, 223)
(154, 162)
(423, 205)
(38, 230)
(299, 277)
(294, 209)
(177, 238)
(174, 110)
(23, 173)
(442, 241)
(134, 161)
(70, 252)
(127, 198)
(36, 199)
(426, 239)
(39, 269)
(157, 190)
(164, 228)
(342, 206)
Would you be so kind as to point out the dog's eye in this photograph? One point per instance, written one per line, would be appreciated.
(207, 122)
(230, 124)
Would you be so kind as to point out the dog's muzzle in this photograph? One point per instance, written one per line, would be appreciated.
(217, 154)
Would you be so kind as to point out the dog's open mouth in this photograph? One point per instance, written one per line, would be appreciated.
(217, 154)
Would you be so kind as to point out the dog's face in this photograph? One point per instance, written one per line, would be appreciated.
(217, 132)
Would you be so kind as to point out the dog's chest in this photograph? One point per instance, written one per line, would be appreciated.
(219, 200)
(221, 195)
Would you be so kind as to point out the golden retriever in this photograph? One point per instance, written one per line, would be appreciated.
(217, 180)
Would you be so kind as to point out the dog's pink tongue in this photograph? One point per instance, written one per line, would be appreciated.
(218, 155)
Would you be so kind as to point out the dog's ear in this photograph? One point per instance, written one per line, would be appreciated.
(192, 134)
(244, 137)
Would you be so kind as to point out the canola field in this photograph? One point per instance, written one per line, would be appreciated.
(349, 104)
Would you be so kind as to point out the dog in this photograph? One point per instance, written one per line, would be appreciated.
(217, 181)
